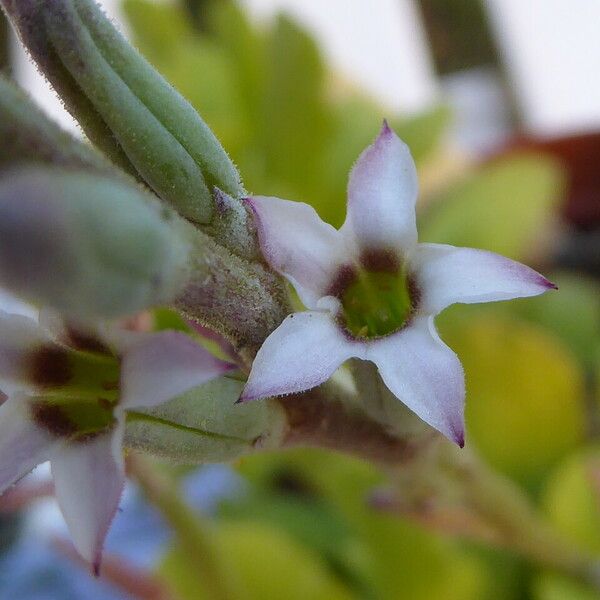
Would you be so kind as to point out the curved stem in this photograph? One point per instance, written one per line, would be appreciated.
(520, 528)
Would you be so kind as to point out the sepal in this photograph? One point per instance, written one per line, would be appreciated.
(205, 425)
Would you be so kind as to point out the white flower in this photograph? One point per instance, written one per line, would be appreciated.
(372, 291)
(68, 393)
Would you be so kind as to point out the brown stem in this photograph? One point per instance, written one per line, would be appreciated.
(320, 418)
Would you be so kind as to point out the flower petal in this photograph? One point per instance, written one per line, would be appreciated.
(23, 444)
(298, 244)
(420, 370)
(303, 352)
(160, 366)
(19, 337)
(89, 478)
(447, 274)
(382, 193)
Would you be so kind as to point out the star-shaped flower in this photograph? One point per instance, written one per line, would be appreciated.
(68, 393)
(372, 291)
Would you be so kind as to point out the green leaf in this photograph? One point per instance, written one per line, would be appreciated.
(164, 138)
(422, 133)
(29, 19)
(295, 120)
(550, 586)
(573, 313)
(205, 425)
(392, 558)
(571, 498)
(267, 563)
(501, 207)
(158, 28)
(525, 392)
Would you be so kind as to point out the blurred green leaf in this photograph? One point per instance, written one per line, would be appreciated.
(159, 28)
(571, 498)
(549, 586)
(267, 562)
(296, 119)
(525, 406)
(501, 207)
(423, 132)
(395, 558)
(573, 313)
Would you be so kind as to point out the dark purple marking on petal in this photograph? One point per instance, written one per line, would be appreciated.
(415, 295)
(55, 419)
(383, 260)
(96, 566)
(86, 342)
(345, 276)
(385, 128)
(50, 367)
(459, 437)
(52, 419)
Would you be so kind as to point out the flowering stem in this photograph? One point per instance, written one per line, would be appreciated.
(504, 506)
(325, 417)
(492, 508)
(193, 533)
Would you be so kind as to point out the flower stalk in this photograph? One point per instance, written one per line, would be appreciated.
(499, 502)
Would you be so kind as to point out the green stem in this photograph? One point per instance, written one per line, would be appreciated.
(521, 529)
(194, 535)
(444, 470)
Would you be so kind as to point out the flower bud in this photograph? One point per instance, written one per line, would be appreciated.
(86, 245)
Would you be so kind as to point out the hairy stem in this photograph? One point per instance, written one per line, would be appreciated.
(325, 418)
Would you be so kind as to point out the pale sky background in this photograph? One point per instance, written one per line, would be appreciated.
(550, 47)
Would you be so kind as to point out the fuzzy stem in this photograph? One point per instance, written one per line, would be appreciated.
(325, 417)
(242, 300)
(193, 534)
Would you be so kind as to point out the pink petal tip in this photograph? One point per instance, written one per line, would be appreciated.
(548, 284)
(459, 438)
(96, 566)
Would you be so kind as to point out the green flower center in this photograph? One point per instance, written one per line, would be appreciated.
(75, 374)
(376, 303)
(73, 419)
(81, 390)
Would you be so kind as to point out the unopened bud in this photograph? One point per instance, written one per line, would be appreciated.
(86, 245)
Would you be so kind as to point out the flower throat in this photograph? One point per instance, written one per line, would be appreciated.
(376, 303)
